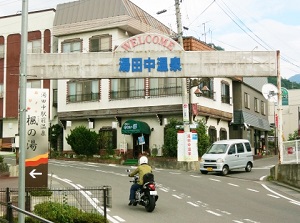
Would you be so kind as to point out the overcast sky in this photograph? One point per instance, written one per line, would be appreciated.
(243, 25)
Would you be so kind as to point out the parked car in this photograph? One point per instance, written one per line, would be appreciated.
(226, 155)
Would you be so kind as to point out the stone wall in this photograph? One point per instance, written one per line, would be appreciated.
(287, 174)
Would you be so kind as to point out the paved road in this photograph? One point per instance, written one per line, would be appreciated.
(191, 196)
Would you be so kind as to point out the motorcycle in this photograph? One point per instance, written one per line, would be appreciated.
(146, 195)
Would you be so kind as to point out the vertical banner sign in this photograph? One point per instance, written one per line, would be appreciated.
(37, 116)
(187, 147)
(185, 109)
(285, 96)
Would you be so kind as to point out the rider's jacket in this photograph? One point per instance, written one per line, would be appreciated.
(141, 170)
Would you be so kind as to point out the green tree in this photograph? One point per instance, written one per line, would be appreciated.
(293, 136)
(203, 138)
(83, 141)
(54, 132)
(170, 138)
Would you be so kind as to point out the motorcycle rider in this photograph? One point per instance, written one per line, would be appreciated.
(141, 170)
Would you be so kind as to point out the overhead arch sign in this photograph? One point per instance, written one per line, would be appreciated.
(151, 55)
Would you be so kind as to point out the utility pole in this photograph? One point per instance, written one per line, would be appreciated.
(185, 98)
(22, 109)
(279, 107)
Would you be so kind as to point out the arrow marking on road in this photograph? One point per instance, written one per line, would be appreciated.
(33, 173)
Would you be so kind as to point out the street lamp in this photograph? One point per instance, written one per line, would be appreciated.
(198, 92)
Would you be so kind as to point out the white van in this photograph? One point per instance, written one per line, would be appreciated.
(226, 155)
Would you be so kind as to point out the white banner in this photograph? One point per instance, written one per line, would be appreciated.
(187, 148)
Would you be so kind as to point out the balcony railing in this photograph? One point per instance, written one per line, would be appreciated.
(83, 97)
(153, 92)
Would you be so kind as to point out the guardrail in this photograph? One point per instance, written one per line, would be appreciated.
(93, 200)
(291, 152)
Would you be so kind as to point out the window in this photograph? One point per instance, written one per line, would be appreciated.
(248, 147)
(263, 108)
(256, 105)
(240, 148)
(207, 83)
(165, 86)
(247, 100)
(34, 46)
(34, 84)
(127, 88)
(223, 134)
(212, 132)
(231, 149)
(87, 90)
(101, 43)
(108, 139)
(2, 51)
(70, 46)
(225, 92)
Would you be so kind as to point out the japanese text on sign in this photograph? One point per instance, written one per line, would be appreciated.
(161, 64)
(37, 119)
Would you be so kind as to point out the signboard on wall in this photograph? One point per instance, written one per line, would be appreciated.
(37, 116)
(187, 147)
(151, 55)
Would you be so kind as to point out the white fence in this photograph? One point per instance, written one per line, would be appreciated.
(291, 152)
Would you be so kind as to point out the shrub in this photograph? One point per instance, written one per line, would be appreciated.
(83, 141)
(63, 213)
(4, 168)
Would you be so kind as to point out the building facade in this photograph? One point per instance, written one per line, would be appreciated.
(104, 105)
(250, 119)
(39, 41)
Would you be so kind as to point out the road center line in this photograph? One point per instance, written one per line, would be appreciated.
(214, 213)
(176, 196)
(271, 195)
(235, 185)
(215, 180)
(252, 190)
(191, 203)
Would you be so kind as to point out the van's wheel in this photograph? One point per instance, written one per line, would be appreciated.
(225, 170)
(248, 167)
(203, 171)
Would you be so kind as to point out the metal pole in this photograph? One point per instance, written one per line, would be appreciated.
(22, 109)
(185, 99)
(279, 107)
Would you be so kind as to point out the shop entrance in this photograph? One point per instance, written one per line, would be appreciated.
(140, 146)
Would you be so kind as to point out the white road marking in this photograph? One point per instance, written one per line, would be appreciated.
(214, 213)
(96, 200)
(195, 176)
(235, 185)
(236, 221)
(119, 219)
(291, 200)
(90, 200)
(191, 203)
(295, 202)
(256, 191)
(215, 180)
(271, 195)
(88, 192)
(176, 196)
(249, 220)
(79, 185)
(175, 173)
(164, 189)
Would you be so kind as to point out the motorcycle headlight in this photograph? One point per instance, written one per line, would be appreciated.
(220, 160)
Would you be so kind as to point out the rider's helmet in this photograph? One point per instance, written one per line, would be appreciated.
(143, 160)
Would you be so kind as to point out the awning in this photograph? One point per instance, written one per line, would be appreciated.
(134, 127)
(243, 117)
